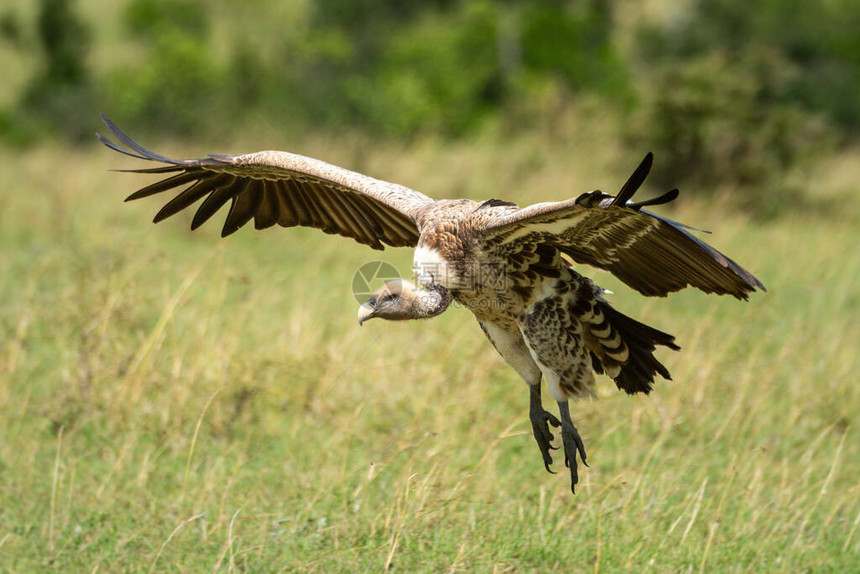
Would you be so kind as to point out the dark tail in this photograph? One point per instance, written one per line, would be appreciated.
(637, 373)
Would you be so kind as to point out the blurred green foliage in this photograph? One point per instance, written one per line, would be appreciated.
(735, 94)
(818, 41)
(61, 85)
(718, 121)
(728, 93)
(177, 85)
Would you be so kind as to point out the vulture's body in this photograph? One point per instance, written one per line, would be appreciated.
(508, 266)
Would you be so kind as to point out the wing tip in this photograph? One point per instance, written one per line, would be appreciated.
(663, 199)
(160, 216)
(231, 227)
(126, 140)
(635, 181)
(758, 285)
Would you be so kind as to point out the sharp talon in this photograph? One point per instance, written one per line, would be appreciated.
(541, 421)
(573, 446)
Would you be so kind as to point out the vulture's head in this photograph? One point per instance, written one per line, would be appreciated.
(400, 300)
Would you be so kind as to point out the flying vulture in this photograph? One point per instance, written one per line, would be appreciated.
(512, 267)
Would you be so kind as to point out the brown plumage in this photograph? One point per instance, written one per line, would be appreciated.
(505, 264)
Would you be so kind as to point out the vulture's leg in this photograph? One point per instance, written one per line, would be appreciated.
(541, 420)
(572, 443)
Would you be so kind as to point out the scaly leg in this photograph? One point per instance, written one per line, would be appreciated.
(541, 420)
(572, 443)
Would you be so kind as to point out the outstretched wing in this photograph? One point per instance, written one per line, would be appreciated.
(648, 252)
(273, 187)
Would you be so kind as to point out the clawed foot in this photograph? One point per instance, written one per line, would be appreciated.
(572, 445)
(541, 420)
(570, 439)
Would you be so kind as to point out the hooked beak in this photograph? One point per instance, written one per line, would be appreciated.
(365, 312)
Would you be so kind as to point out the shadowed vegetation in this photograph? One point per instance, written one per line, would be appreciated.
(729, 94)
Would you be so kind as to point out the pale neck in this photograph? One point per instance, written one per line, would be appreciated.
(430, 301)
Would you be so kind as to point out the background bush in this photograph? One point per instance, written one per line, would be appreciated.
(731, 94)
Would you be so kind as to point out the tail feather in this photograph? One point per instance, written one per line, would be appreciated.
(637, 373)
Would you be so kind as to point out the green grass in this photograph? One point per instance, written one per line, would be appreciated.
(174, 402)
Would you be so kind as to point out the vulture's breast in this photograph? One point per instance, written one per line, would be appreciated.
(445, 251)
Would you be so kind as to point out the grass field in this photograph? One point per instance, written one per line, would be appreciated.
(171, 401)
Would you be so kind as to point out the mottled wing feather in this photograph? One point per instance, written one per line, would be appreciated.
(273, 187)
(650, 253)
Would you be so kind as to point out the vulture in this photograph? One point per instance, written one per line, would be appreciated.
(512, 267)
